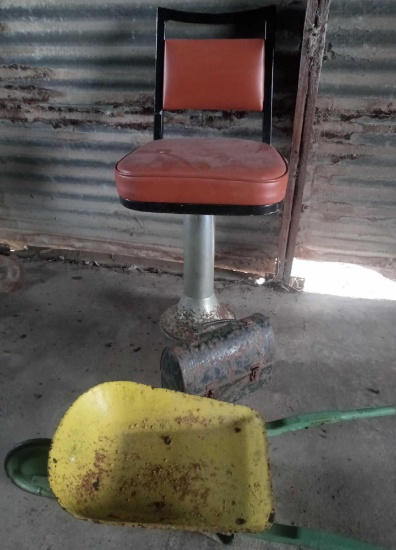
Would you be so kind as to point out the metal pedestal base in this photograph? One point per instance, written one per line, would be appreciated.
(180, 321)
(198, 304)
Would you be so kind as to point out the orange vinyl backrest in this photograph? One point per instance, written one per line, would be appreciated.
(221, 74)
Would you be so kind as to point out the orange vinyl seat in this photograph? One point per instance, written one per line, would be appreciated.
(205, 171)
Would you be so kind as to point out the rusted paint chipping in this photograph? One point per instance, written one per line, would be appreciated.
(16, 71)
(131, 118)
(134, 114)
(27, 94)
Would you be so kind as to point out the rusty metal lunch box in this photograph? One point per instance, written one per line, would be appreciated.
(225, 361)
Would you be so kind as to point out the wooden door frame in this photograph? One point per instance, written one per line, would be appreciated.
(313, 42)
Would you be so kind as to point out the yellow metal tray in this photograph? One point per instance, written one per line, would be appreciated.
(126, 453)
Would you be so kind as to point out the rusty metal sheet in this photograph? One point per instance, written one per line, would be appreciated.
(349, 209)
(76, 94)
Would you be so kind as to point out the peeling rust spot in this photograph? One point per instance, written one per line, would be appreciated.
(87, 488)
(339, 136)
(185, 483)
(27, 110)
(335, 159)
(190, 420)
(158, 506)
(329, 53)
(90, 481)
(100, 457)
(34, 72)
(96, 484)
(31, 94)
(143, 104)
(232, 115)
(375, 113)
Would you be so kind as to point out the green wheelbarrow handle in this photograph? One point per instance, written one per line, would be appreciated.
(315, 419)
(306, 537)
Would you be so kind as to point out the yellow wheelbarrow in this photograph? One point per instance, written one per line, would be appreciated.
(134, 455)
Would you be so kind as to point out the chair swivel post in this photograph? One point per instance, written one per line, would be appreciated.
(198, 303)
(198, 257)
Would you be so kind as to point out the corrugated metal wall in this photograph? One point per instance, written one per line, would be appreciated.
(350, 203)
(76, 94)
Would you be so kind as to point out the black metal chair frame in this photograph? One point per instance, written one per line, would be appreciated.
(262, 19)
(256, 23)
(198, 303)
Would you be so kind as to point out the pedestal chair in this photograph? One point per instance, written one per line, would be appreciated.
(201, 177)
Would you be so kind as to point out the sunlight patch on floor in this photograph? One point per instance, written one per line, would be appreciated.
(341, 279)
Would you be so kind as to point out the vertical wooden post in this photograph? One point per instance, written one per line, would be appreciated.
(313, 42)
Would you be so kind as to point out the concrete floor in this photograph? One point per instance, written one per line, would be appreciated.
(71, 327)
